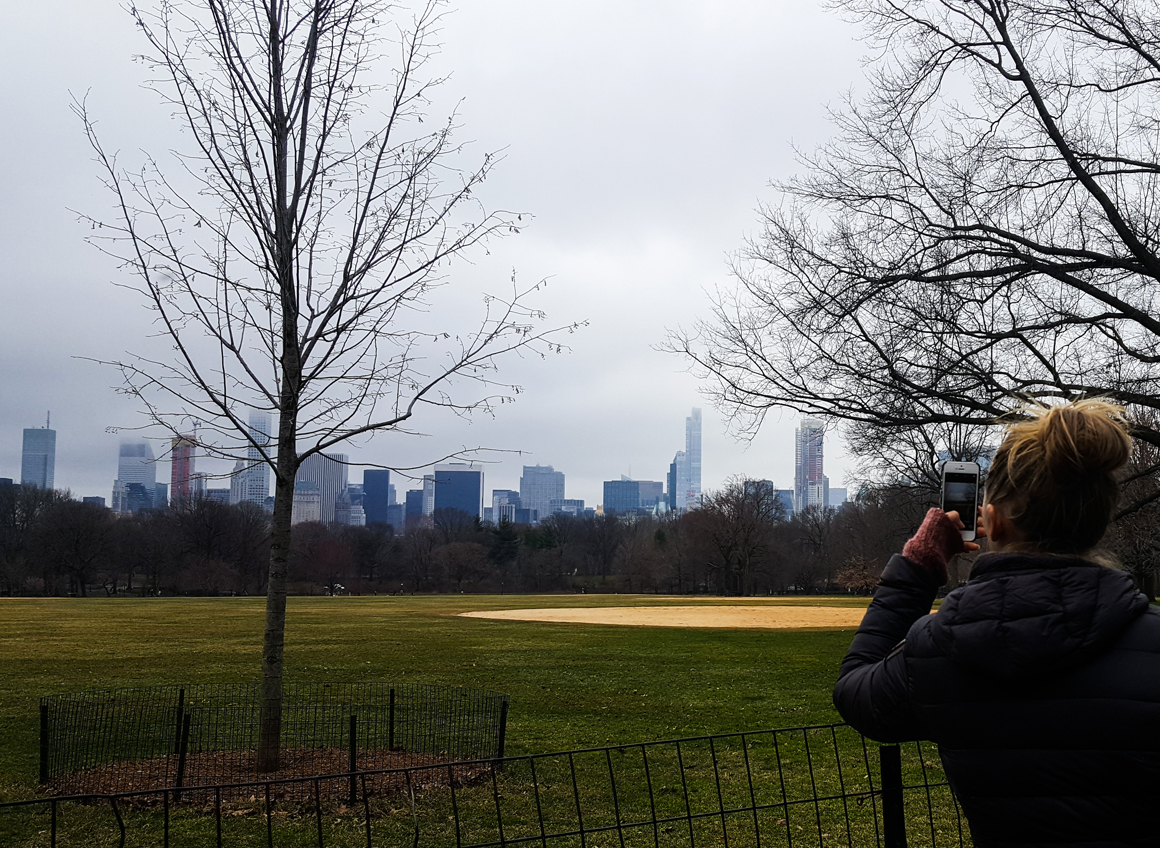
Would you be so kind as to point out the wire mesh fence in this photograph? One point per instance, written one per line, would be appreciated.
(818, 786)
(122, 740)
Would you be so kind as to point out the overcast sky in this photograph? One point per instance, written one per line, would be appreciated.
(640, 135)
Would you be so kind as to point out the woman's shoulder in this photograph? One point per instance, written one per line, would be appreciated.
(1143, 634)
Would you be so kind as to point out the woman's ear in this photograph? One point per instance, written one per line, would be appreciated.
(996, 525)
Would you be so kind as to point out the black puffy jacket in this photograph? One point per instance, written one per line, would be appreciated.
(1040, 682)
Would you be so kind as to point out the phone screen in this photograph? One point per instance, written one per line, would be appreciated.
(960, 492)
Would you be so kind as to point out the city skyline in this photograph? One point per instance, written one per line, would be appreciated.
(177, 453)
(325, 492)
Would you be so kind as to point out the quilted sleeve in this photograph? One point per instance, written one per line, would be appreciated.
(873, 689)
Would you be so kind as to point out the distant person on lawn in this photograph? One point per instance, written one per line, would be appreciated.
(1040, 678)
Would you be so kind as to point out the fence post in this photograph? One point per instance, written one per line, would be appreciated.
(353, 758)
(503, 711)
(180, 713)
(182, 750)
(43, 743)
(893, 808)
(391, 724)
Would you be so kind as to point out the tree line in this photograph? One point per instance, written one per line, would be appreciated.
(740, 542)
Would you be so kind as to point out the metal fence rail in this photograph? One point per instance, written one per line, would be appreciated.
(180, 736)
(818, 786)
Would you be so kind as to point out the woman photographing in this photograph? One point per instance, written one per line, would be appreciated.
(1040, 678)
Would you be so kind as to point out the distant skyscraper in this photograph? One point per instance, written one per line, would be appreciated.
(413, 509)
(621, 496)
(38, 458)
(693, 458)
(539, 486)
(251, 479)
(459, 486)
(397, 517)
(786, 498)
(136, 467)
(376, 495)
(679, 482)
(119, 502)
(136, 464)
(809, 481)
(326, 471)
(182, 456)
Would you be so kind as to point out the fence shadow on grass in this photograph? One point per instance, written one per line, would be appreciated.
(821, 786)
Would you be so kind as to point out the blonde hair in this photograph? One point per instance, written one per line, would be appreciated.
(1054, 475)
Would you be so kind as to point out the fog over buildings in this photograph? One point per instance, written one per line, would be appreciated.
(631, 212)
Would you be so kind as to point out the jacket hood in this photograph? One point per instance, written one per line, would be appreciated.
(1030, 615)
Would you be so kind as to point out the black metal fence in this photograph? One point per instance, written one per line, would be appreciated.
(171, 736)
(817, 786)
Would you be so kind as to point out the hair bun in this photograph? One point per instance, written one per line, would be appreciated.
(1084, 437)
(1054, 473)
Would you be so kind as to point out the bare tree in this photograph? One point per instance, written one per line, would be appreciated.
(78, 540)
(291, 254)
(982, 230)
(739, 520)
(1135, 536)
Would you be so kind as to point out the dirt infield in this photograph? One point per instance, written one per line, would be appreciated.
(739, 617)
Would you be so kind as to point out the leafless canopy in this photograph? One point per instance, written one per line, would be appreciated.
(983, 229)
(290, 255)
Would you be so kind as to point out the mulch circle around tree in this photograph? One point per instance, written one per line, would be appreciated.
(299, 768)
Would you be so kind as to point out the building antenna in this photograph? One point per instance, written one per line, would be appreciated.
(48, 421)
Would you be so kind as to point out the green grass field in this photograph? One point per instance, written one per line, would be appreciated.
(571, 686)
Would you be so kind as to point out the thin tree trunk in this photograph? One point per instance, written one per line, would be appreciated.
(273, 643)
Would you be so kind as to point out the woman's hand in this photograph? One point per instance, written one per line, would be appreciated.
(953, 515)
(936, 541)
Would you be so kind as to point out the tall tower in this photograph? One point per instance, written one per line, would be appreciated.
(376, 495)
(693, 459)
(251, 481)
(809, 481)
(679, 482)
(136, 485)
(38, 457)
(182, 453)
(326, 472)
(459, 486)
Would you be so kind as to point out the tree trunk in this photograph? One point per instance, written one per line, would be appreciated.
(273, 644)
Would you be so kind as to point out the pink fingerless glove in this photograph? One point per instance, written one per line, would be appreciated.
(936, 541)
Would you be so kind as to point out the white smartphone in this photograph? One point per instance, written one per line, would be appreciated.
(960, 492)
